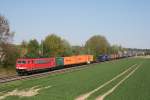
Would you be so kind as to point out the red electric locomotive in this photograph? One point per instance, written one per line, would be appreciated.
(29, 65)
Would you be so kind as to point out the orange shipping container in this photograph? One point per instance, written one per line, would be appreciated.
(90, 58)
(81, 59)
(69, 60)
(78, 59)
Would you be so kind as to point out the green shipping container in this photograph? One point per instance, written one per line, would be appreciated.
(59, 61)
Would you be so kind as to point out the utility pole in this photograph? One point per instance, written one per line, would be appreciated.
(42, 47)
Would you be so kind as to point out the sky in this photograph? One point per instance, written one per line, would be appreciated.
(122, 22)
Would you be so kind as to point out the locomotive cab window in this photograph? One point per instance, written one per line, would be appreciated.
(21, 62)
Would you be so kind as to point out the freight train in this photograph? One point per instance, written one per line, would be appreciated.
(28, 65)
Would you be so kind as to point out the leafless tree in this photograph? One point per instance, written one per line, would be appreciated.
(5, 37)
(5, 34)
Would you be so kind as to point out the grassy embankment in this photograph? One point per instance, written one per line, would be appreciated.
(69, 85)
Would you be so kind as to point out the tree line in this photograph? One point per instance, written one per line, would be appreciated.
(52, 46)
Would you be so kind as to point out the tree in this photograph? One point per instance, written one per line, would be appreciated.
(78, 50)
(24, 44)
(66, 48)
(115, 49)
(11, 55)
(5, 41)
(23, 48)
(33, 48)
(97, 45)
(52, 46)
(5, 34)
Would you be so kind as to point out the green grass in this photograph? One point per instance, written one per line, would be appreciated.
(137, 87)
(110, 85)
(69, 85)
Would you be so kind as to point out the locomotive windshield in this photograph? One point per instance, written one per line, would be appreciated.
(21, 62)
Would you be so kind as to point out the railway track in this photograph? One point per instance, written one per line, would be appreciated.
(40, 75)
(8, 78)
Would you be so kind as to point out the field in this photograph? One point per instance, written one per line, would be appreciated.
(125, 79)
